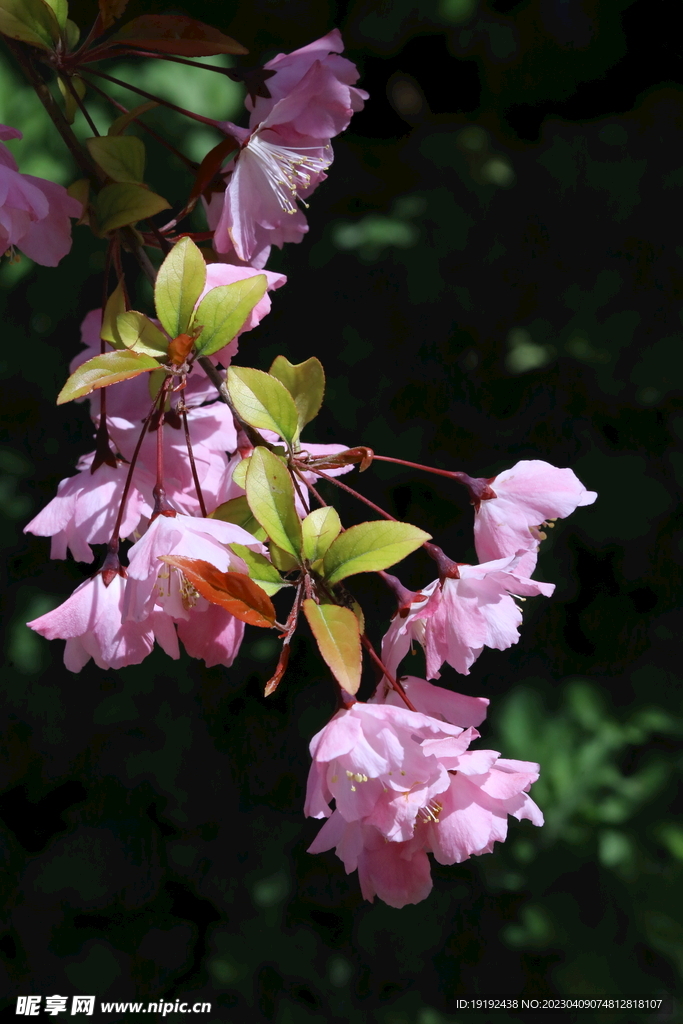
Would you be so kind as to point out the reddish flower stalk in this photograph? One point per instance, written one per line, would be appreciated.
(392, 679)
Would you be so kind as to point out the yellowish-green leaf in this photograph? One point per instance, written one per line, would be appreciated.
(260, 570)
(237, 511)
(369, 547)
(70, 104)
(121, 157)
(270, 494)
(305, 383)
(30, 21)
(282, 559)
(101, 371)
(118, 126)
(338, 637)
(319, 529)
(224, 310)
(138, 333)
(179, 284)
(262, 401)
(60, 9)
(239, 473)
(80, 191)
(111, 11)
(72, 34)
(156, 379)
(115, 307)
(125, 203)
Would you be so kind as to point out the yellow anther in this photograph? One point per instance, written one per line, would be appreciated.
(349, 775)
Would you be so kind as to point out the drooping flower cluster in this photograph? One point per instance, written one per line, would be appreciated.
(34, 213)
(405, 784)
(200, 466)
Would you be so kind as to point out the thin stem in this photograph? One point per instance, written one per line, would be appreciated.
(195, 477)
(161, 505)
(255, 438)
(155, 99)
(350, 490)
(114, 541)
(298, 491)
(80, 155)
(311, 488)
(80, 104)
(428, 469)
(394, 682)
(150, 131)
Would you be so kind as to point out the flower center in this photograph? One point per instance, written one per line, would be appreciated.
(287, 170)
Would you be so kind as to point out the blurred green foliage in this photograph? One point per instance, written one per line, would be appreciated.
(490, 275)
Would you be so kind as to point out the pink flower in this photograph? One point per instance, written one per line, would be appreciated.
(399, 873)
(370, 760)
(291, 68)
(464, 615)
(153, 584)
(465, 819)
(285, 152)
(91, 623)
(471, 815)
(34, 213)
(436, 701)
(85, 508)
(524, 498)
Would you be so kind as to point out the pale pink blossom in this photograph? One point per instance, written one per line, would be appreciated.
(525, 498)
(436, 701)
(291, 68)
(154, 585)
(464, 615)
(34, 213)
(369, 759)
(463, 820)
(85, 508)
(285, 152)
(91, 623)
(471, 815)
(399, 873)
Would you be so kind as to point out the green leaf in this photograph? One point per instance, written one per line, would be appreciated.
(261, 571)
(30, 21)
(61, 11)
(139, 334)
(305, 383)
(369, 547)
(118, 126)
(115, 307)
(155, 380)
(282, 560)
(239, 473)
(224, 310)
(179, 284)
(270, 494)
(110, 11)
(125, 203)
(101, 371)
(72, 34)
(70, 104)
(262, 401)
(319, 529)
(121, 157)
(338, 637)
(237, 511)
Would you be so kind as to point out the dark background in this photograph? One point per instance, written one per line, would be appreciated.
(493, 272)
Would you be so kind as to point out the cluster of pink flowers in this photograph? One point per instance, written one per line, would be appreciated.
(34, 213)
(404, 782)
(399, 768)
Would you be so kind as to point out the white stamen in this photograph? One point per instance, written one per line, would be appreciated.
(287, 170)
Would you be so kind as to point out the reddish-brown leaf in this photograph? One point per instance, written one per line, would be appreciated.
(231, 590)
(211, 165)
(174, 33)
(274, 680)
(179, 348)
